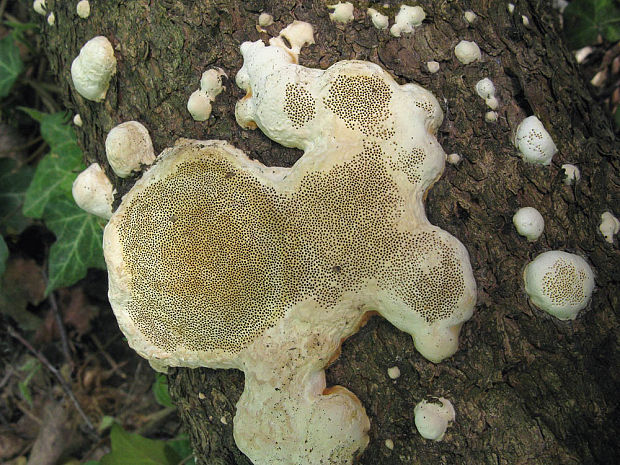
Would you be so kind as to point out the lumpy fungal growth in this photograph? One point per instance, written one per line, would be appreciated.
(217, 260)
(571, 174)
(560, 283)
(609, 227)
(380, 21)
(343, 12)
(93, 192)
(93, 68)
(407, 18)
(534, 142)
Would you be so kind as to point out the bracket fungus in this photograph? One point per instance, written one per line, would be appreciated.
(560, 283)
(217, 260)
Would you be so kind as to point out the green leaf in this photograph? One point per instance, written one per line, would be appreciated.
(4, 254)
(56, 172)
(106, 423)
(10, 64)
(34, 114)
(78, 246)
(160, 391)
(585, 20)
(13, 184)
(183, 448)
(133, 449)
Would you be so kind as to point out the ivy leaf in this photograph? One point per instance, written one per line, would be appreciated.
(13, 185)
(11, 64)
(160, 391)
(4, 254)
(585, 20)
(133, 449)
(78, 246)
(56, 172)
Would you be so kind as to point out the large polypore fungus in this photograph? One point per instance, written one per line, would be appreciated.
(217, 260)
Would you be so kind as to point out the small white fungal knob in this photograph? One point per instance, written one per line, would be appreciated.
(572, 174)
(83, 9)
(128, 146)
(534, 142)
(467, 52)
(609, 227)
(470, 16)
(432, 419)
(433, 66)
(529, 223)
(343, 12)
(39, 7)
(265, 19)
(379, 20)
(393, 372)
(77, 120)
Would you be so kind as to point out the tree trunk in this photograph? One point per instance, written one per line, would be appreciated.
(527, 388)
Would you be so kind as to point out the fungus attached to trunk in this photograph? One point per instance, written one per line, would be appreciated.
(534, 142)
(432, 419)
(93, 192)
(93, 67)
(217, 260)
(128, 146)
(560, 283)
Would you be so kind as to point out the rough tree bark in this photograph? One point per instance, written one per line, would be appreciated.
(527, 388)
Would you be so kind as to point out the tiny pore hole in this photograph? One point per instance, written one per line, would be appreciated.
(286, 42)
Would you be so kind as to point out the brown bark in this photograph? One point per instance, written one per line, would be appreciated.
(527, 388)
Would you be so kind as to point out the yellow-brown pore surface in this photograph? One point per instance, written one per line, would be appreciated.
(563, 284)
(216, 256)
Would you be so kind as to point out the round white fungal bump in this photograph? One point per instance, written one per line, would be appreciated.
(407, 18)
(223, 421)
(433, 66)
(609, 227)
(467, 52)
(51, 19)
(572, 174)
(211, 82)
(93, 192)
(525, 20)
(490, 116)
(39, 7)
(265, 19)
(128, 146)
(583, 53)
(511, 8)
(77, 120)
(454, 158)
(199, 105)
(378, 20)
(432, 419)
(393, 372)
(485, 88)
(389, 444)
(83, 9)
(529, 223)
(492, 103)
(343, 12)
(93, 67)
(534, 142)
(470, 16)
(560, 283)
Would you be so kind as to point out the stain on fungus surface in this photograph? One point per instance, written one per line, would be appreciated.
(217, 260)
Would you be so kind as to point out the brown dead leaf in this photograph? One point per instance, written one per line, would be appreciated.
(77, 314)
(21, 284)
